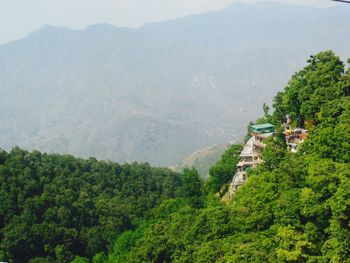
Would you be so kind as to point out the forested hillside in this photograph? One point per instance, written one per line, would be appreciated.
(54, 207)
(295, 207)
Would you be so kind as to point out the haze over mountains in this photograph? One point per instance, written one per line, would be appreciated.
(162, 91)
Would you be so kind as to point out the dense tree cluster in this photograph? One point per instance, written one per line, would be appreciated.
(55, 207)
(221, 173)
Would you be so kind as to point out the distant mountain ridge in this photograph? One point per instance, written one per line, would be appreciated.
(202, 159)
(162, 91)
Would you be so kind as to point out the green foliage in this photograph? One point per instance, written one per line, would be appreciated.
(78, 259)
(310, 88)
(192, 183)
(221, 173)
(266, 109)
(274, 153)
(331, 139)
(249, 132)
(56, 207)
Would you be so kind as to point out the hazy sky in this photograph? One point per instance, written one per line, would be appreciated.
(20, 17)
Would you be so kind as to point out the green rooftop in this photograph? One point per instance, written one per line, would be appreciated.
(263, 128)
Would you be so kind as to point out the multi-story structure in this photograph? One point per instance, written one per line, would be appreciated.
(251, 154)
(294, 137)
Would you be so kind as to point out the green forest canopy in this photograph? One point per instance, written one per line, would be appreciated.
(56, 207)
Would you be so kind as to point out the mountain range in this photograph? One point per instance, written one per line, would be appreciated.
(162, 91)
